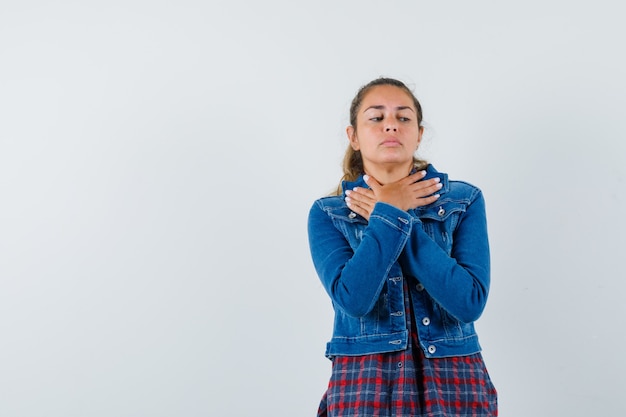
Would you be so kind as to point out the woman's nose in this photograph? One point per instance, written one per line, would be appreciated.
(390, 124)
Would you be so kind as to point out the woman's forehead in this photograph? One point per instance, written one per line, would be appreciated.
(387, 96)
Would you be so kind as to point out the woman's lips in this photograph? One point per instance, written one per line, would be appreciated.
(391, 142)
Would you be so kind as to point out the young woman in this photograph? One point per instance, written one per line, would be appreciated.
(403, 254)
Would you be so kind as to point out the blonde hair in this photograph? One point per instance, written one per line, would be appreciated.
(352, 160)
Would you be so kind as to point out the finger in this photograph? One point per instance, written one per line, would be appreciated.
(415, 177)
(410, 179)
(424, 201)
(427, 183)
(371, 181)
(428, 186)
(364, 195)
(358, 208)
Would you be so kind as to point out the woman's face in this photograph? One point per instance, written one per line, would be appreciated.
(387, 131)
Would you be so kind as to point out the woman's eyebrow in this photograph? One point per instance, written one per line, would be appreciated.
(381, 107)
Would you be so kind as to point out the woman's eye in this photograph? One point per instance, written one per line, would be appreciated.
(376, 119)
(404, 119)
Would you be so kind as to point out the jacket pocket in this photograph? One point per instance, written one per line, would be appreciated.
(351, 224)
(440, 220)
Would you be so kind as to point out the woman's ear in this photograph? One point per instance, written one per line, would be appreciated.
(419, 137)
(354, 141)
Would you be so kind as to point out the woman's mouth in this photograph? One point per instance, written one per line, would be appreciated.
(391, 142)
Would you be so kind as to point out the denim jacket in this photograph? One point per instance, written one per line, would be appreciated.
(442, 252)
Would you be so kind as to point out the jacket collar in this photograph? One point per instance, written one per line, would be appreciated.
(431, 172)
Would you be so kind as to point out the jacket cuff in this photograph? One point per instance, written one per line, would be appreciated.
(393, 216)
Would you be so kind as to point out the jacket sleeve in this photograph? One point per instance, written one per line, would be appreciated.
(355, 278)
(460, 282)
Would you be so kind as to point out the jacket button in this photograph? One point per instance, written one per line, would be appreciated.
(432, 349)
(425, 321)
(419, 287)
(352, 215)
(441, 211)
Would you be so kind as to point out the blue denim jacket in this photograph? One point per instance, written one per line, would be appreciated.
(442, 252)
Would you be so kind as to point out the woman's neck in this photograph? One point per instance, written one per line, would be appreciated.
(388, 174)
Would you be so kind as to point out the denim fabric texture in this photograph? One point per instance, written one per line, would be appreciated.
(442, 251)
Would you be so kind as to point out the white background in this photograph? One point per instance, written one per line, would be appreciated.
(158, 161)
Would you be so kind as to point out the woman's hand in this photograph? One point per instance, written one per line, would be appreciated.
(407, 193)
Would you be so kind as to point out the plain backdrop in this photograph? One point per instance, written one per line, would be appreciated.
(158, 160)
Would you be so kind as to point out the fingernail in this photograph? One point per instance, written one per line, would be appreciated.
(366, 177)
(436, 195)
(348, 200)
(437, 179)
(439, 185)
(348, 192)
(423, 173)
